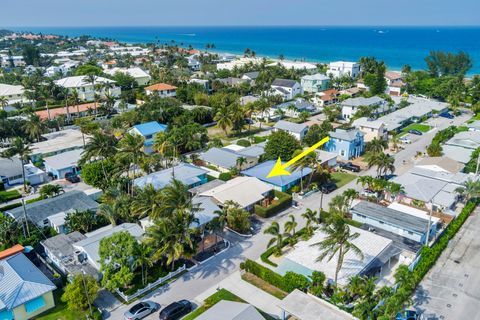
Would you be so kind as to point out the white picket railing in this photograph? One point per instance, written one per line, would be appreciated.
(150, 286)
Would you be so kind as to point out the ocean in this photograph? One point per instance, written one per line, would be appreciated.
(396, 46)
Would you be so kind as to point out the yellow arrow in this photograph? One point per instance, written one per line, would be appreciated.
(280, 170)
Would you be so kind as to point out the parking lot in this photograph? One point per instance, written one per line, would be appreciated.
(451, 290)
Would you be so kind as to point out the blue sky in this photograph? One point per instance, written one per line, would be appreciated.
(237, 12)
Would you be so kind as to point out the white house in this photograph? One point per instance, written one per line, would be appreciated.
(372, 129)
(298, 130)
(11, 172)
(163, 90)
(394, 83)
(141, 77)
(87, 90)
(286, 88)
(342, 68)
(352, 105)
(14, 94)
(315, 83)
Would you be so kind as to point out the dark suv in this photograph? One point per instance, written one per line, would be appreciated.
(176, 310)
(328, 187)
(72, 177)
(350, 167)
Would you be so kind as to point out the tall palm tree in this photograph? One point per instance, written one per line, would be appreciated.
(35, 127)
(338, 242)
(470, 189)
(176, 198)
(21, 149)
(223, 117)
(291, 225)
(147, 202)
(74, 98)
(249, 109)
(307, 161)
(311, 217)
(130, 149)
(383, 161)
(3, 102)
(277, 239)
(240, 162)
(262, 107)
(100, 146)
(376, 146)
(143, 260)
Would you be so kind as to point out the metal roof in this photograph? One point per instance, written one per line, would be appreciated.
(290, 126)
(231, 310)
(186, 173)
(392, 217)
(286, 83)
(150, 128)
(21, 282)
(260, 171)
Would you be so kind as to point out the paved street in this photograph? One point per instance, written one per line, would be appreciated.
(193, 283)
(451, 290)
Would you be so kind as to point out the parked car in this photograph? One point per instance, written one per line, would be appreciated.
(72, 177)
(447, 115)
(369, 193)
(141, 310)
(176, 310)
(328, 187)
(407, 315)
(415, 131)
(350, 167)
(405, 140)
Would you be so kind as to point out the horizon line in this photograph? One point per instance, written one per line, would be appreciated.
(255, 26)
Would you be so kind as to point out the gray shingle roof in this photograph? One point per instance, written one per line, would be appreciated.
(222, 157)
(290, 126)
(390, 216)
(21, 282)
(231, 310)
(41, 210)
(361, 101)
(284, 83)
(10, 167)
(347, 135)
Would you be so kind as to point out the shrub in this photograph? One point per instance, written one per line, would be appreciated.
(287, 283)
(2, 186)
(11, 206)
(225, 176)
(10, 195)
(284, 201)
(264, 257)
(244, 143)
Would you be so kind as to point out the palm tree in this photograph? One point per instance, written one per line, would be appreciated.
(469, 190)
(49, 190)
(143, 260)
(108, 211)
(75, 100)
(22, 150)
(3, 102)
(92, 79)
(223, 117)
(395, 140)
(35, 127)
(277, 239)
(383, 161)
(240, 162)
(337, 242)
(262, 107)
(307, 161)
(130, 149)
(249, 109)
(99, 146)
(311, 217)
(147, 202)
(291, 225)
(376, 146)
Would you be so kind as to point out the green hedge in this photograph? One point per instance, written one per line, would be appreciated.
(10, 195)
(11, 206)
(429, 256)
(225, 176)
(284, 201)
(244, 143)
(264, 257)
(289, 282)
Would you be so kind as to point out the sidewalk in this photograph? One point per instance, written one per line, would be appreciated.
(247, 292)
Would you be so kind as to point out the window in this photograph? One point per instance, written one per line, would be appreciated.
(35, 304)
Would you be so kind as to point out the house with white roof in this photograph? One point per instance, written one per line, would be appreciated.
(11, 172)
(246, 191)
(315, 83)
(25, 292)
(461, 146)
(58, 142)
(86, 89)
(226, 158)
(141, 76)
(298, 130)
(376, 104)
(13, 93)
(377, 252)
(371, 128)
(295, 65)
(61, 164)
(286, 88)
(188, 174)
(343, 68)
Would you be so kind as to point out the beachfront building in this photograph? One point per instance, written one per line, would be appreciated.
(162, 90)
(141, 76)
(286, 88)
(25, 292)
(87, 90)
(371, 128)
(343, 68)
(347, 144)
(148, 131)
(298, 130)
(315, 83)
(13, 94)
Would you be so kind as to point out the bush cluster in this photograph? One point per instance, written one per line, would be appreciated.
(284, 201)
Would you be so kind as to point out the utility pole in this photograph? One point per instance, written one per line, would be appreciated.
(427, 238)
(478, 164)
(321, 207)
(25, 216)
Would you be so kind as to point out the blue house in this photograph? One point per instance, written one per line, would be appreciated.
(188, 174)
(347, 144)
(280, 183)
(148, 131)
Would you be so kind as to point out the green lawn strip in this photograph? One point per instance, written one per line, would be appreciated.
(342, 178)
(263, 285)
(417, 126)
(60, 311)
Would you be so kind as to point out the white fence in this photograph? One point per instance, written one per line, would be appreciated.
(150, 286)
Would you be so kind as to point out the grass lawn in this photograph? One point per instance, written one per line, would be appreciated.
(342, 178)
(474, 118)
(60, 311)
(265, 286)
(218, 296)
(417, 126)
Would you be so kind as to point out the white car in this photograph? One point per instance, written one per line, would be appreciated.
(405, 140)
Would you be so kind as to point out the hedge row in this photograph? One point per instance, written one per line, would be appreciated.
(19, 204)
(10, 195)
(429, 256)
(266, 255)
(289, 282)
(284, 201)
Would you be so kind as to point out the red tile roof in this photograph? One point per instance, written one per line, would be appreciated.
(43, 114)
(11, 251)
(160, 87)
